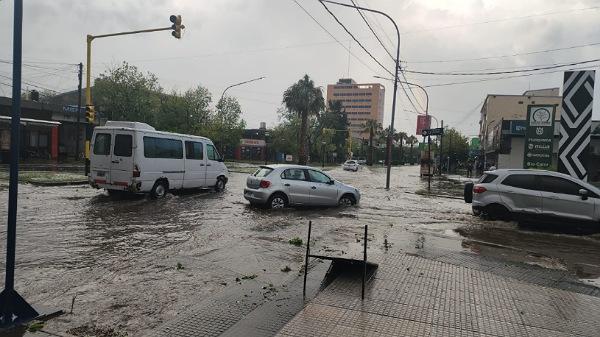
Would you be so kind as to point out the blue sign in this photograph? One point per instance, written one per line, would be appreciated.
(72, 108)
(518, 127)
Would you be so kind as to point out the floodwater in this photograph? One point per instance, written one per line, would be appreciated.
(129, 264)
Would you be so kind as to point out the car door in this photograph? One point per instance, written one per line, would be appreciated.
(213, 169)
(560, 198)
(322, 191)
(296, 184)
(101, 157)
(519, 191)
(121, 170)
(195, 165)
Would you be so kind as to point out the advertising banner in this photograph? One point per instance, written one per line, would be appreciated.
(539, 137)
(423, 122)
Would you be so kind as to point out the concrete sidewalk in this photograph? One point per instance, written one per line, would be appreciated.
(415, 296)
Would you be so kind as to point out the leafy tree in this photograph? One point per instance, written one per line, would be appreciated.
(373, 128)
(400, 137)
(128, 94)
(304, 99)
(335, 121)
(412, 140)
(455, 145)
(226, 125)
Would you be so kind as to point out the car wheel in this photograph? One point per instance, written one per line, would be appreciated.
(497, 212)
(476, 212)
(277, 201)
(347, 200)
(159, 190)
(220, 185)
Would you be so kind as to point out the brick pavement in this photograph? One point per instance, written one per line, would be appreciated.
(415, 296)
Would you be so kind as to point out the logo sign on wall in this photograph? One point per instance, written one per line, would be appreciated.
(539, 137)
(423, 122)
(575, 123)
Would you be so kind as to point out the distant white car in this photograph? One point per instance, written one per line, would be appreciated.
(350, 165)
(361, 161)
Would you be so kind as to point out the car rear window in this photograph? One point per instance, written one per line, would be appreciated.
(263, 172)
(487, 178)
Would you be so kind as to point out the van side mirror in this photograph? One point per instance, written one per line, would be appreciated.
(583, 193)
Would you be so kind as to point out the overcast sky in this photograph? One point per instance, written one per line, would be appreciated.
(229, 41)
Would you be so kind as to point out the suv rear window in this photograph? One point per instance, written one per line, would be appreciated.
(487, 178)
(526, 181)
(262, 172)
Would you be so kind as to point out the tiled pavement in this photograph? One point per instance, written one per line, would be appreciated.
(415, 296)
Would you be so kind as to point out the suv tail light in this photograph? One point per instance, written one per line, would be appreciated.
(479, 189)
(265, 184)
(136, 171)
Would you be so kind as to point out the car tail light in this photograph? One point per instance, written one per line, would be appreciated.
(136, 171)
(265, 184)
(479, 189)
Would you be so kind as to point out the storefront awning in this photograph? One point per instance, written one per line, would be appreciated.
(29, 121)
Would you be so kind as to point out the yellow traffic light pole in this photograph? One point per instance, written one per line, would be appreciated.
(90, 110)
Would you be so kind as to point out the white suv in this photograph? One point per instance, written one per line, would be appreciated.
(503, 193)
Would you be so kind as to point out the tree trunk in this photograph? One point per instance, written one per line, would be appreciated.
(411, 154)
(370, 156)
(400, 159)
(302, 145)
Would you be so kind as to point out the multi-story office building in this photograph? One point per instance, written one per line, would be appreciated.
(361, 102)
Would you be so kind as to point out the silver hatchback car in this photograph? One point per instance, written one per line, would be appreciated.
(506, 193)
(277, 186)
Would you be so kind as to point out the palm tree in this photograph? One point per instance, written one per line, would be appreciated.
(304, 99)
(412, 140)
(372, 127)
(400, 137)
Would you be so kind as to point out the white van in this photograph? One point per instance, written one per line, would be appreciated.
(134, 157)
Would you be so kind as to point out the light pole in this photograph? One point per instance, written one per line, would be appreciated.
(241, 83)
(396, 69)
(90, 110)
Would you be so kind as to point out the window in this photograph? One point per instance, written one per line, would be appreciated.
(488, 178)
(559, 185)
(102, 144)
(162, 148)
(212, 153)
(294, 174)
(526, 181)
(123, 145)
(263, 172)
(193, 150)
(318, 177)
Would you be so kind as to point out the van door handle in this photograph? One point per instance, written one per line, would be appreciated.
(314, 188)
(208, 164)
(201, 164)
(286, 185)
(115, 161)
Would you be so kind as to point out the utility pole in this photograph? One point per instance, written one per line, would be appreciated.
(429, 163)
(449, 153)
(89, 106)
(441, 148)
(14, 309)
(79, 76)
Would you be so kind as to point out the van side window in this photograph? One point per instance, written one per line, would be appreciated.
(212, 153)
(123, 145)
(102, 144)
(193, 150)
(163, 148)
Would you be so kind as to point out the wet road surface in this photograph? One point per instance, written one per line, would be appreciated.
(115, 260)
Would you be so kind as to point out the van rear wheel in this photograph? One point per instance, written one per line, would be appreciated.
(159, 190)
(220, 185)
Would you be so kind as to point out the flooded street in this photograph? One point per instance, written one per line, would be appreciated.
(132, 263)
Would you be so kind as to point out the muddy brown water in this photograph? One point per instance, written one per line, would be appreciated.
(115, 259)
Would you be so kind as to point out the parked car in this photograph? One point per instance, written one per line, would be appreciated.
(277, 186)
(361, 161)
(350, 165)
(519, 193)
(134, 157)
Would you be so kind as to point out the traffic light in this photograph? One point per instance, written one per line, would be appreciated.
(177, 26)
(90, 113)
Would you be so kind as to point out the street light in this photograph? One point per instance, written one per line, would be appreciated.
(236, 84)
(396, 69)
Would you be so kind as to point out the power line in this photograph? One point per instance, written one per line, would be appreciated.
(333, 37)
(501, 78)
(508, 55)
(30, 84)
(372, 31)
(502, 72)
(378, 23)
(355, 39)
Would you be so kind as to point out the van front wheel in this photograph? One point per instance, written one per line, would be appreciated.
(159, 190)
